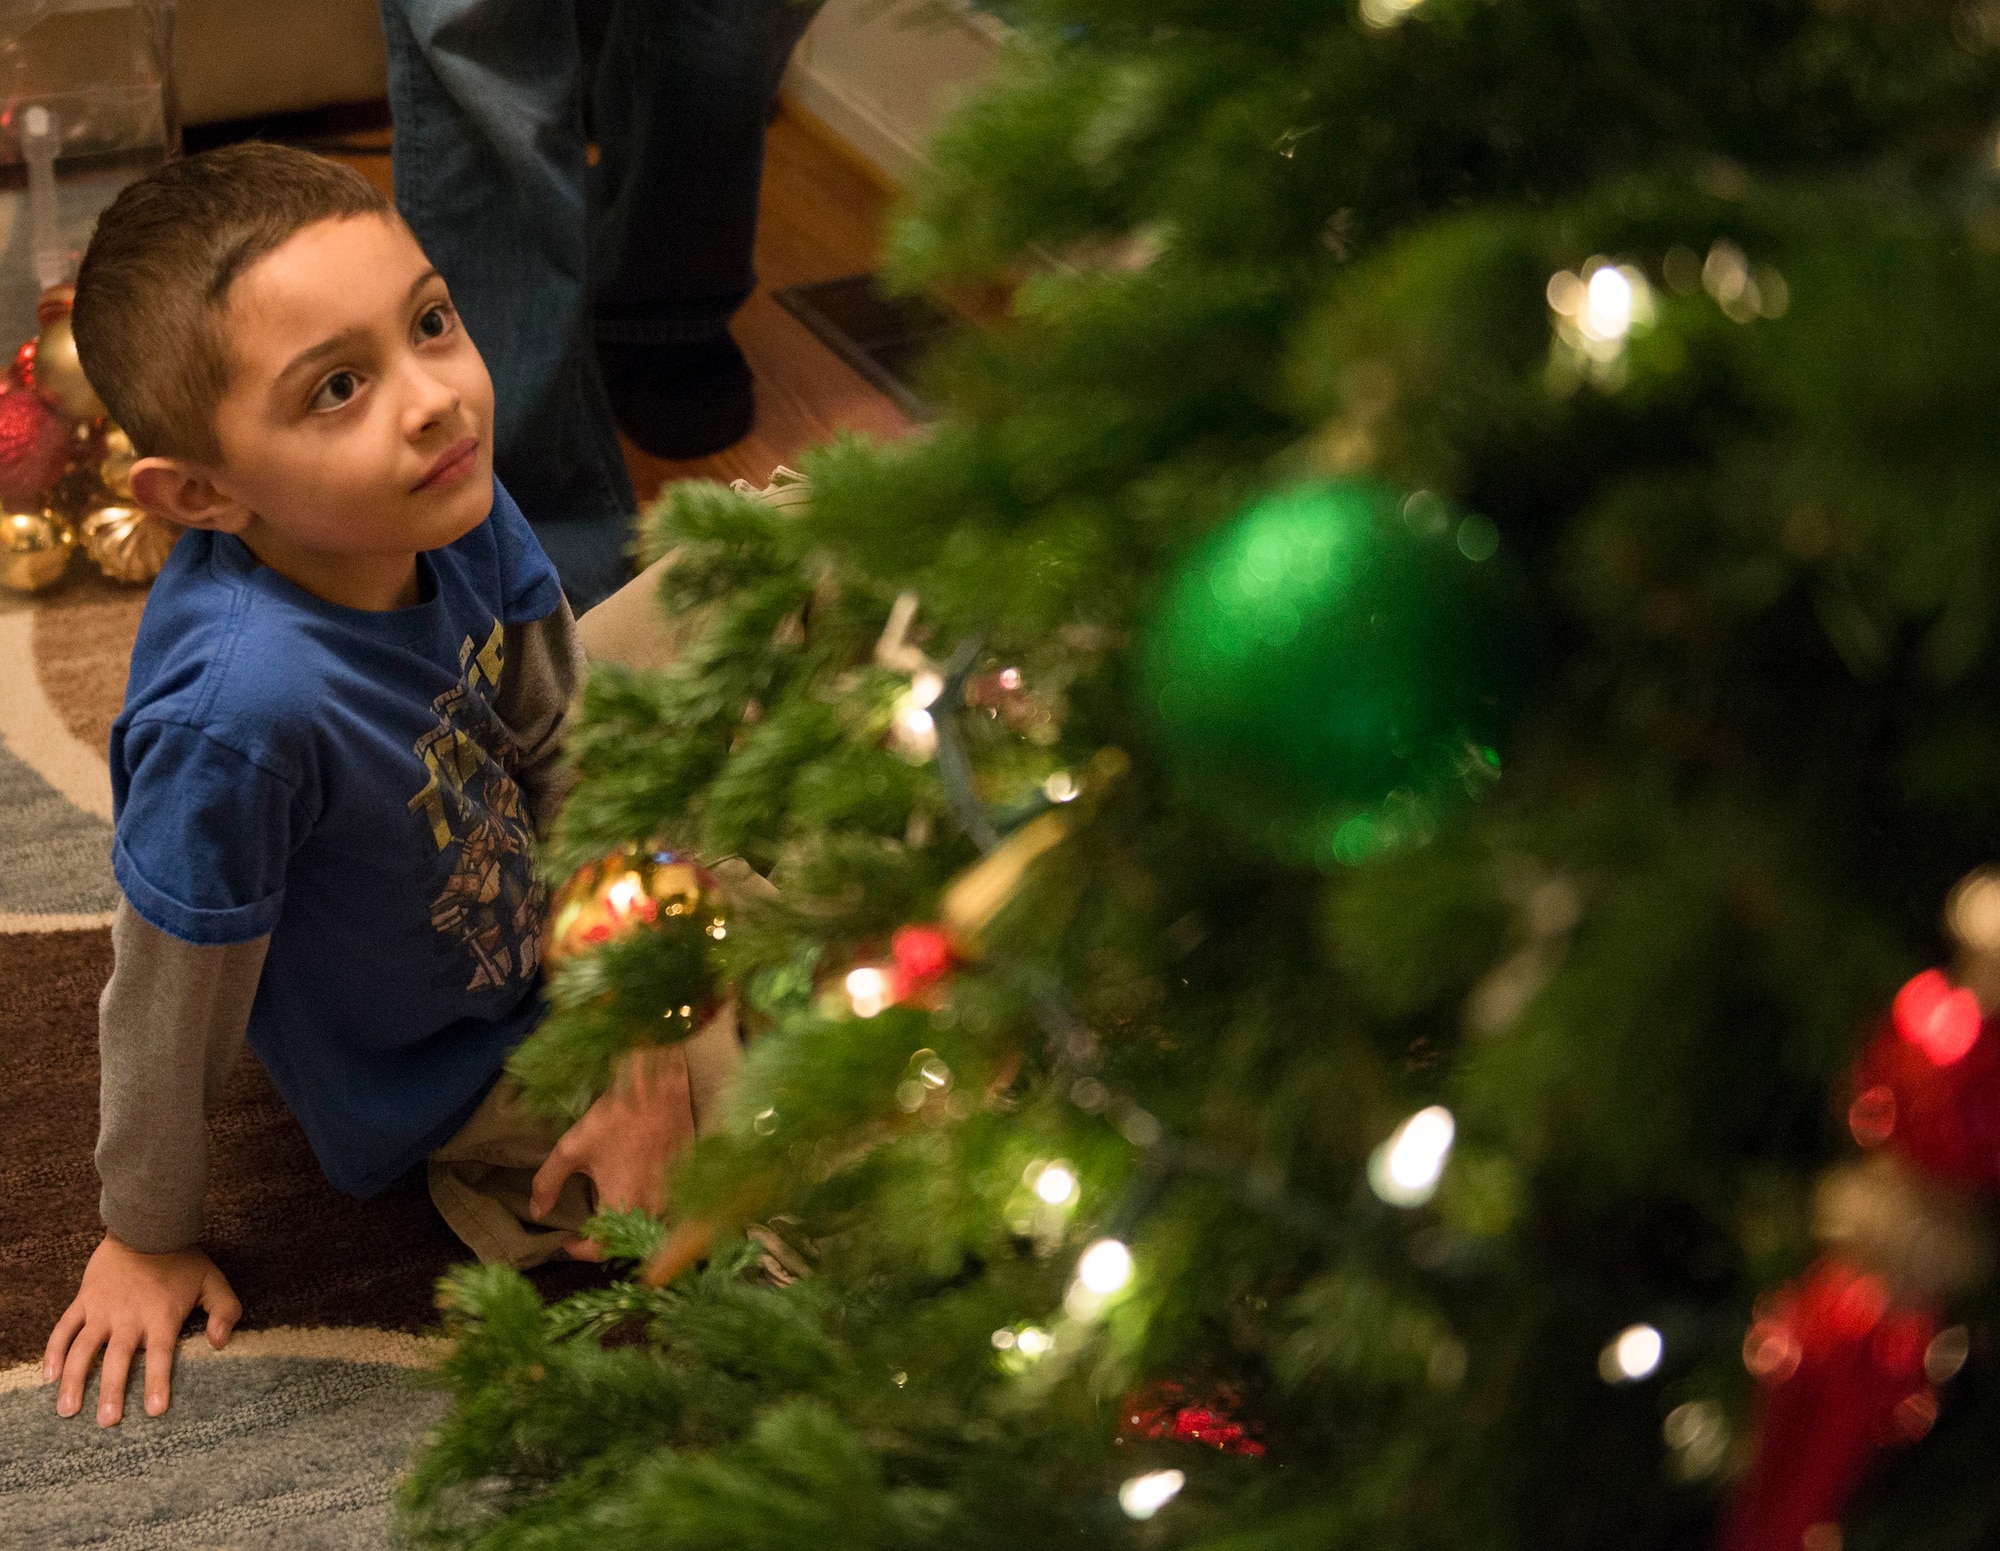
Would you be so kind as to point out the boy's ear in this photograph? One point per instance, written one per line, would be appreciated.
(184, 493)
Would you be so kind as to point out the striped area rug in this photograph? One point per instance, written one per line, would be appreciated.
(62, 677)
(286, 1438)
(292, 1439)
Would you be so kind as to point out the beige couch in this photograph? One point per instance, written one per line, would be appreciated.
(246, 58)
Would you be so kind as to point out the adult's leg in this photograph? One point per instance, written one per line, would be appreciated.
(679, 98)
(489, 168)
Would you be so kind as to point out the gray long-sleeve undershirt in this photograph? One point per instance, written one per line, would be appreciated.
(172, 1018)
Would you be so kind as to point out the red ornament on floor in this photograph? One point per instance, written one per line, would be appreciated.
(34, 447)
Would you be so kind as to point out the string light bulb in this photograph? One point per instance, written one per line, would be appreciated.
(1405, 1170)
(1103, 1271)
(1056, 1185)
(1143, 1496)
(1607, 305)
(1381, 15)
(867, 990)
(1106, 1267)
(912, 729)
(1631, 1355)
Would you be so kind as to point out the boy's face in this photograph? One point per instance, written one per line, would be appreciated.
(357, 427)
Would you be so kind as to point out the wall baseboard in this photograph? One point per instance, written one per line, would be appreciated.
(880, 77)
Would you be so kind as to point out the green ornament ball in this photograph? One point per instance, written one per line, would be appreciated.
(1332, 670)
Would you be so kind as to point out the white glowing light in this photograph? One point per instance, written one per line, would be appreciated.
(1060, 787)
(1596, 311)
(624, 895)
(1631, 1355)
(1010, 678)
(1056, 1185)
(1405, 1170)
(1003, 1339)
(867, 990)
(1383, 14)
(925, 688)
(1607, 305)
(1034, 1342)
(918, 728)
(1105, 1267)
(717, 930)
(1144, 1496)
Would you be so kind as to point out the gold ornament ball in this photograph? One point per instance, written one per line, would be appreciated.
(59, 374)
(625, 892)
(127, 543)
(34, 550)
(114, 466)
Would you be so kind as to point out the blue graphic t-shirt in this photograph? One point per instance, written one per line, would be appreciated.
(338, 779)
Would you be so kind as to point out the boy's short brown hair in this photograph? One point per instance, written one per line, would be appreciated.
(155, 280)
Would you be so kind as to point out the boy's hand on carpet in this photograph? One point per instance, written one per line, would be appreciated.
(129, 1300)
(625, 1141)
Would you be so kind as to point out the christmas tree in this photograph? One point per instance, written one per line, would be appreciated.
(1337, 825)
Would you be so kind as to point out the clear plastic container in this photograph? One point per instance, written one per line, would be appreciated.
(86, 105)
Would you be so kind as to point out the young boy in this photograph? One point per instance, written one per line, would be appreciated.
(339, 737)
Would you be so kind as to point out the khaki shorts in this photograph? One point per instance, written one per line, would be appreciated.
(481, 1179)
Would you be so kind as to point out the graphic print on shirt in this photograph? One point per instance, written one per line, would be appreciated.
(491, 906)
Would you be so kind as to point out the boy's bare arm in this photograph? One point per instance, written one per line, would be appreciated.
(170, 1025)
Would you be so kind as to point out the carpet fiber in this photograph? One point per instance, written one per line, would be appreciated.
(266, 1450)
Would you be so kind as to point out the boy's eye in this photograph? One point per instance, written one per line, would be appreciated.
(336, 390)
(435, 322)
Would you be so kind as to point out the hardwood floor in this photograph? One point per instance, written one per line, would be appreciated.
(821, 219)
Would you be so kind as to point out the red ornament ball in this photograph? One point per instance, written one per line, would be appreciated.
(34, 446)
(1168, 1411)
(1842, 1370)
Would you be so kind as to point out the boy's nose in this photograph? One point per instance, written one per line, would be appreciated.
(431, 400)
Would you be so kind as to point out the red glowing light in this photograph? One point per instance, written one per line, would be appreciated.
(1941, 1021)
(922, 953)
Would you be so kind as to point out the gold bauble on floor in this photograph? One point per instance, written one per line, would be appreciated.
(59, 374)
(34, 550)
(127, 543)
(114, 465)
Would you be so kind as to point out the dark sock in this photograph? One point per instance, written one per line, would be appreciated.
(683, 400)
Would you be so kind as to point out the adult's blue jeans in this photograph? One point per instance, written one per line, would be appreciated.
(543, 253)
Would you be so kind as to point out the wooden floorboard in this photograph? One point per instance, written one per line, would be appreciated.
(821, 219)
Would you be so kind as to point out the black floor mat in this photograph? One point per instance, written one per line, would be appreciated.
(881, 337)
